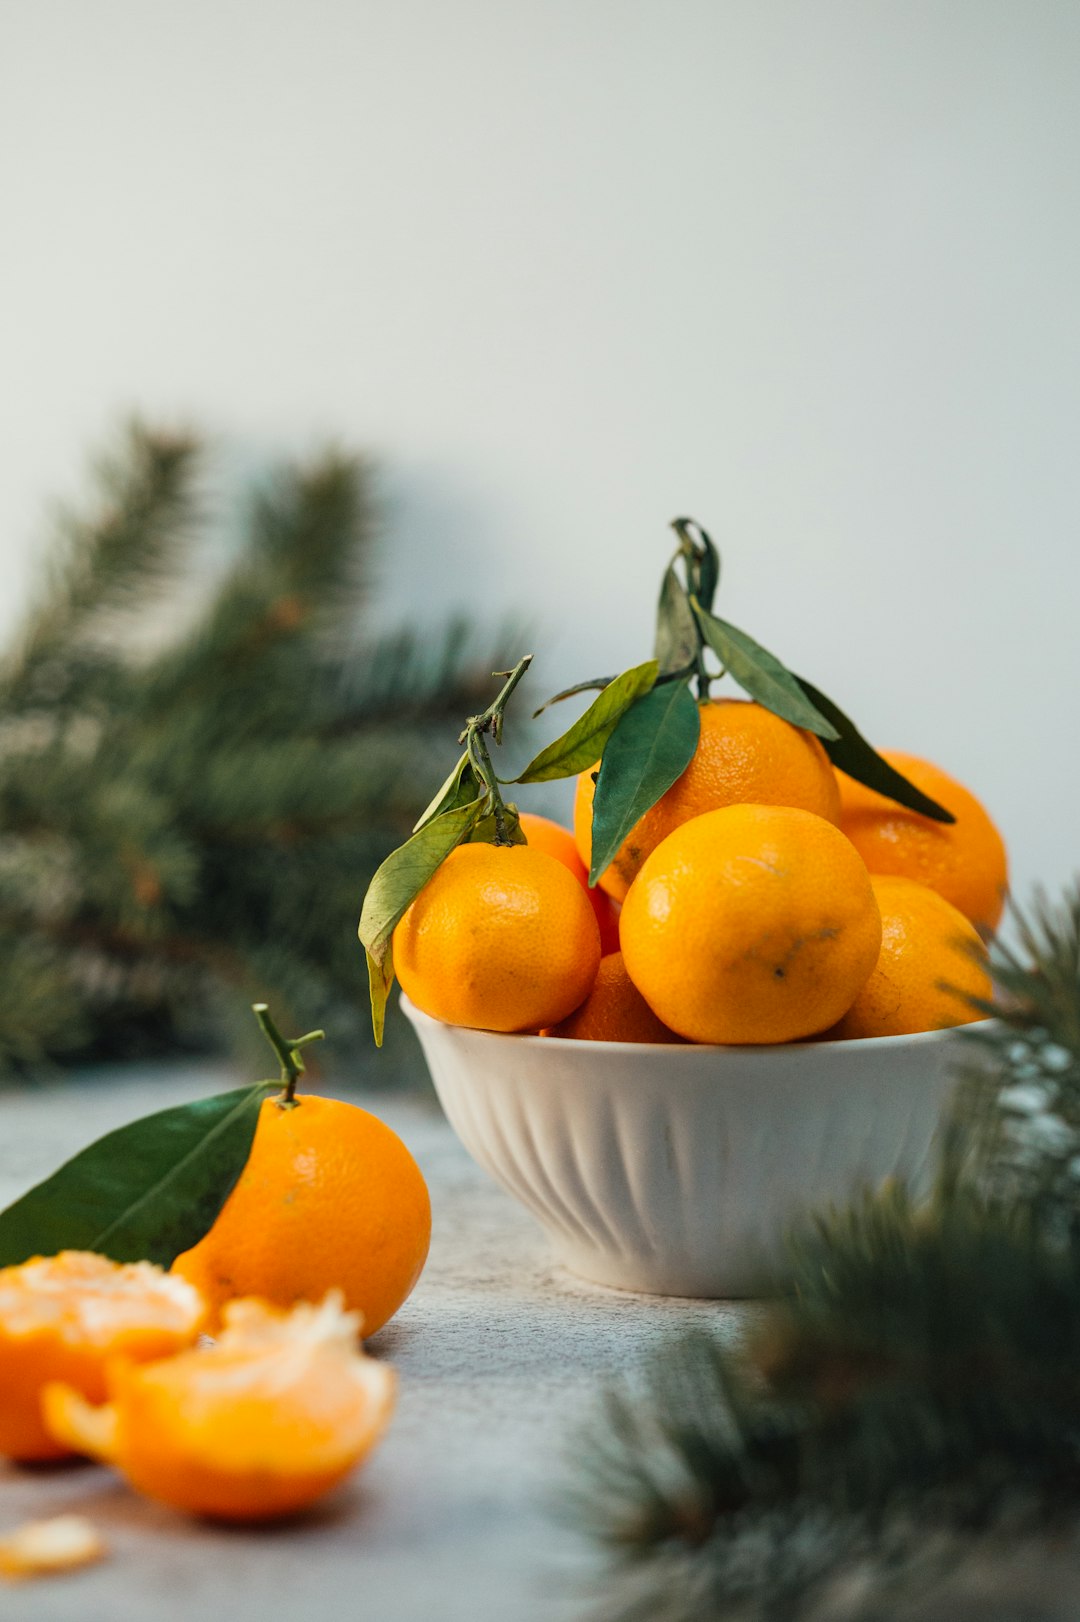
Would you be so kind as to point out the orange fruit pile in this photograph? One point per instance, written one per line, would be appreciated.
(764, 898)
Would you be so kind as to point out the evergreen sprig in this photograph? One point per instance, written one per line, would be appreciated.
(188, 829)
(921, 1372)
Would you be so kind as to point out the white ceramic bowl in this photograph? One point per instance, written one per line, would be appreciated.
(677, 1170)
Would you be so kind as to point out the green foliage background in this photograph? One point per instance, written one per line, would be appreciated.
(188, 829)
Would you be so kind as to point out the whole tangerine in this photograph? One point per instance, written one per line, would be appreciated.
(544, 834)
(751, 924)
(745, 755)
(964, 861)
(932, 961)
(614, 1011)
(330, 1198)
(501, 938)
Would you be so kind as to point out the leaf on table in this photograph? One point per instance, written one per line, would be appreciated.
(652, 745)
(850, 752)
(583, 744)
(145, 1192)
(761, 674)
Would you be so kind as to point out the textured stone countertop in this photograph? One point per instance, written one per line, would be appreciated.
(500, 1355)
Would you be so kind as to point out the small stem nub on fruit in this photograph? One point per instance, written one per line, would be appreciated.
(288, 1052)
(474, 737)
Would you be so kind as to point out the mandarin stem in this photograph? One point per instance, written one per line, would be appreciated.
(288, 1052)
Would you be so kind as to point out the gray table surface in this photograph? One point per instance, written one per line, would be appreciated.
(500, 1357)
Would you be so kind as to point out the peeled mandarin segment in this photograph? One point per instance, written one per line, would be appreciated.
(753, 924)
(63, 1317)
(931, 961)
(501, 938)
(614, 1011)
(963, 861)
(330, 1198)
(256, 1426)
(745, 755)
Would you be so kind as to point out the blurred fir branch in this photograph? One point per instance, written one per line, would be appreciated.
(914, 1393)
(186, 829)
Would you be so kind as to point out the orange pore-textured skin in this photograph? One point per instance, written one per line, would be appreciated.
(614, 1011)
(963, 861)
(745, 755)
(330, 1198)
(502, 938)
(63, 1318)
(254, 1427)
(931, 958)
(751, 924)
(544, 834)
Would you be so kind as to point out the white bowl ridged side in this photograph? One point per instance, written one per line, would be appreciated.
(678, 1170)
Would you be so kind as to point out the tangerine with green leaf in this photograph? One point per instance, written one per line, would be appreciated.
(330, 1199)
(745, 754)
(501, 938)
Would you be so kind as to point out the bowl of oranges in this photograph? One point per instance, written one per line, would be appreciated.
(735, 992)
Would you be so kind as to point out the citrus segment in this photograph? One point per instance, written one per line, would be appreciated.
(751, 924)
(931, 961)
(330, 1198)
(255, 1426)
(963, 861)
(745, 755)
(502, 938)
(62, 1317)
(614, 1011)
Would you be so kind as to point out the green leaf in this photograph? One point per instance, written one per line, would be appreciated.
(145, 1192)
(460, 788)
(486, 830)
(697, 547)
(850, 752)
(761, 674)
(593, 686)
(380, 979)
(404, 873)
(676, 628)
(584, 743)
(651, 746)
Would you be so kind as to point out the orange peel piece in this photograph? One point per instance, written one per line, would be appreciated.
(64, 1317)
(253, 1426)
(45, 1548)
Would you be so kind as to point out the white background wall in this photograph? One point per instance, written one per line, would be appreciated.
(807, 269)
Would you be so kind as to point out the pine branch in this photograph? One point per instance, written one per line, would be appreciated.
(921, 1372)
(104, 565)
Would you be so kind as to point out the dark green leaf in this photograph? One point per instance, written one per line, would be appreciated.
(696, 545)
(593, 686)
(651, 746)
(460, 788)
(145, 1192)
(761, 674)
(404, 873)
(850, 752)
(676, 628)
(584, 743)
